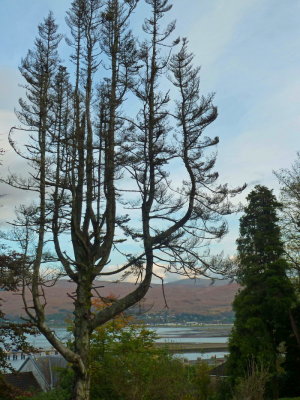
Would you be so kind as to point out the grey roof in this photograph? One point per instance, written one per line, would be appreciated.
(219, 370)
(24, 381)
(47, 367)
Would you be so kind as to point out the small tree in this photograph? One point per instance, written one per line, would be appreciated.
(253, 385)
(12, 335)
(140, 369)
(262, 305)
(289, 180)
(102, 171)
(202, 380)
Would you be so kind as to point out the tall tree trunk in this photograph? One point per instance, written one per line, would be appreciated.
(82, 387)
(82, 339)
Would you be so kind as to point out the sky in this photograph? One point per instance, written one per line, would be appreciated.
(249, 52)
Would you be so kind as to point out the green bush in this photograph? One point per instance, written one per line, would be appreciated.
(126, 365)
(57, 394)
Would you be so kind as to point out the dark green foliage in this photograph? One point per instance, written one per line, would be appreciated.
(222, 390)
(13, 270)
(290, 382)
(262, 327)
(59, 394)
(7, 392)
(259, 243)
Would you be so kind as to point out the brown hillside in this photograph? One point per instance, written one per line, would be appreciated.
(182, 297)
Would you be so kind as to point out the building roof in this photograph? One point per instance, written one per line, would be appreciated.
(45, 368)
(24, 381)
(219, 370)
(49, 366)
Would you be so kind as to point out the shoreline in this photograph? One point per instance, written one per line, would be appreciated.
(193, 347)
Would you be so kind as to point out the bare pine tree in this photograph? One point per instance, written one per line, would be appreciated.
(115, 163)
(289, 180)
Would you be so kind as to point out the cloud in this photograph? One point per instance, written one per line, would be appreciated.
(10, 197)
(9, 95)
(214, 29)
(7, 120)
(266, 140)
(10, 89)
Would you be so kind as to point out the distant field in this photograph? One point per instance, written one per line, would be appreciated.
(193, 347)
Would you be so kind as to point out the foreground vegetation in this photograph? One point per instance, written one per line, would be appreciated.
(125, 364)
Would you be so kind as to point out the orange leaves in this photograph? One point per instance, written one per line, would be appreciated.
(119, 321)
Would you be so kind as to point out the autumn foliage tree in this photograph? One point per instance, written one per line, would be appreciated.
(117, 166)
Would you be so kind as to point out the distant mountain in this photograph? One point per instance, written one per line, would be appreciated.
(189, 296)
(200, 282)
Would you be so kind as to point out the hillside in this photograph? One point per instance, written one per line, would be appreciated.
(199, 297)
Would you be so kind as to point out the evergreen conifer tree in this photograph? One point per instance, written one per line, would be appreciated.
(262, 327)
